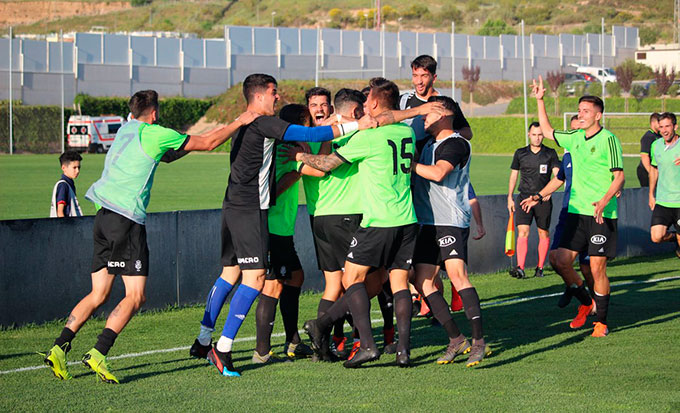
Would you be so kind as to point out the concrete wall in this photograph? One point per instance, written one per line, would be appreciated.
(117, 65)
(45, 263)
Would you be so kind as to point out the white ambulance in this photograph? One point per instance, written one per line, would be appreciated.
(94, 134)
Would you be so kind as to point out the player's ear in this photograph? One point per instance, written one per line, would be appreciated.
(332, 110)
(434, 77)
(598, 116)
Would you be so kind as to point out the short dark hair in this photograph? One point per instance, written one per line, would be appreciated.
(345, 96)
(573, 118)
(69, 156)
(318, 91)
(596, 101)
(446, 101)
(669, 115)
(533, 125)
(365, 91)
(256, 83)
(142, 102)
(385, 91)
(654, 116)
(426, 62)
(296, 113)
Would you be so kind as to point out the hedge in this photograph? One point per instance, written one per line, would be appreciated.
(36, 129)
(612, 104)
(176, 113)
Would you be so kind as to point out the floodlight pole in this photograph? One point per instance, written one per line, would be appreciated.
(316, 63)
(602, 58)
(11, 137)
(524, 88)
(453, 61)
(382, 46)
(61, 78)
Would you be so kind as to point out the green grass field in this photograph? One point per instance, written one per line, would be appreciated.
(196, 182)
(538, 363)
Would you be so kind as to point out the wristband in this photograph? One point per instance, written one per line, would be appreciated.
(346, 128)
(540, 197)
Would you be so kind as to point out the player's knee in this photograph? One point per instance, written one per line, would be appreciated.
(656, 238)
(138, 299)
(552, 257)
(99, 297)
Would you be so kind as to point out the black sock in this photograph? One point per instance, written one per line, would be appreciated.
(602, 303)
(334, 313)
(105, 340)
(402, 307)
(359, 305)
(65, 338)
(338, 328)
(324, 305)
(264, 323)
(386, 308)
(473, 311)
(440, 310)
(581, 294)
(289, 305)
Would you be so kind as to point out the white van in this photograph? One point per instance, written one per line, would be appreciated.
(94, 134)
(606, 75)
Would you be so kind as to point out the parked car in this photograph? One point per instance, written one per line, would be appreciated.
(571, 80)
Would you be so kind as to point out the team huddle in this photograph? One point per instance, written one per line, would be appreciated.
(387, 185)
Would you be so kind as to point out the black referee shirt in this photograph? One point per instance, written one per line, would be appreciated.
(535, 168)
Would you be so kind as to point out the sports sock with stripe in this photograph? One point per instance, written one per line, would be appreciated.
(602, 303)
(265, 313)
(240, 305)
(402, 307)
(440, 310)
(289, 305)
(216, 298)
(473, 311)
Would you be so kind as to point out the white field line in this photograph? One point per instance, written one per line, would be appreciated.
(252, 338)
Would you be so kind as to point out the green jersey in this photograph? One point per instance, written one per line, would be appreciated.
(282, 215)
(593, 158)
(311, 183)
(668, 185)
(384, 157)
(339, 191)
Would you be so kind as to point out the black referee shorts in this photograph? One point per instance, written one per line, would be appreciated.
(119, 245)
(541, 213)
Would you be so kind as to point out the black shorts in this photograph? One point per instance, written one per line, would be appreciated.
(581, 233)
(119, 245)
(541, 213)
(282, 257)
(245, 238)
(436, 244)
(391, 247)
(583, 257)
(333, 234)
(666, 216)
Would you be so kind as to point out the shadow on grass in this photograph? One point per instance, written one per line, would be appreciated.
(15, 355)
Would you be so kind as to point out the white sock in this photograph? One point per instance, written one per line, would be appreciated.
(224, 344)
(205, 335)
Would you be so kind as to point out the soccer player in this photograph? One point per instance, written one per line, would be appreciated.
(591, 223)
(120, 246)
(664, 176)
(387, 232)
(245, 233)
(537, 164)
(646, 141)
(441, 198)
(64, 199)
(284, 279)
(423, 76)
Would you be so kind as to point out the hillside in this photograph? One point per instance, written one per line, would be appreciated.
(206, 18)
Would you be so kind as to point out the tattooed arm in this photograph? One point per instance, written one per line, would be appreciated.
(325, 163)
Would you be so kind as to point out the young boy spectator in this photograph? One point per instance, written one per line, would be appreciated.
(64, 199)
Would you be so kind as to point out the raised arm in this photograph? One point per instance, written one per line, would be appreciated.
(394, 116)
(214, 138)
(543, 120)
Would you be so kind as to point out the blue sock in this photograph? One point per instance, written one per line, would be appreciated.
(240, 304)
(216, 297)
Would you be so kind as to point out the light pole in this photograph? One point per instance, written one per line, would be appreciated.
(366, 19)
(273, 14)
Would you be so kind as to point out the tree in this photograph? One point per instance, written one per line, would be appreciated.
(495, 28)
(471, 76)
(555, 80)
(664, 80)
(624, 77)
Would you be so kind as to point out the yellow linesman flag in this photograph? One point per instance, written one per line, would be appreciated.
(510, 237)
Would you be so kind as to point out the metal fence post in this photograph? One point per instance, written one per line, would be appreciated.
(11, 119)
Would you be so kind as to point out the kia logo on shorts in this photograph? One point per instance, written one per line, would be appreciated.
(598, 239)
(446, 241)
(353, 243)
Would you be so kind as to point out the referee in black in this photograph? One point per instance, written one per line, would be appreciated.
(645, 149)
(535, 163)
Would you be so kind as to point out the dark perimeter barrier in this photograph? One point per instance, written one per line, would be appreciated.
(45, 264)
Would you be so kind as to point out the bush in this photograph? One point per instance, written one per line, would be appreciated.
(613, 89)
(137, 3)
(36, 129)
(595, 89)
(416, 11)
(176, 113)
(638, 91)
(495, 28)
(648, 35)
(673, 90)
(653, 92)
(389, 13)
